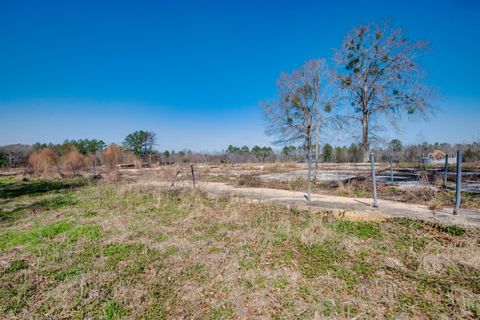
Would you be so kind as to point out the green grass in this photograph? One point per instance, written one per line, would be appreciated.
(114, 251)
(362, 230)
(39, 234)
(452, 230)
(15, 266)
(113, 311)
(121, 252)
(320, 258)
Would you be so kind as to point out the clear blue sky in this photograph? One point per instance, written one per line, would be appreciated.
(194, 72)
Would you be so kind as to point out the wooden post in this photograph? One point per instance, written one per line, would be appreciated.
(374, 180)
(458, 192)
(193, 175)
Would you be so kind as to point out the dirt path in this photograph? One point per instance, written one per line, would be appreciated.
(357, 208)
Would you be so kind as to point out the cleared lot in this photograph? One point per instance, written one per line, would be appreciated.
(112, 250)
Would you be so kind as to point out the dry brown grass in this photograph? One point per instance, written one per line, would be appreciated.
(114, 250)
(435, 204)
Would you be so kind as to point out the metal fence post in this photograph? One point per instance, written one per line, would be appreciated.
(458, 192)
(445, 178)
(374, 180)
(309, 178)
(391, 169)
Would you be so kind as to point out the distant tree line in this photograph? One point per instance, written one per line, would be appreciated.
(84, 146)
(244, 154)
(353, 153)
(75, 155)
(398, 152)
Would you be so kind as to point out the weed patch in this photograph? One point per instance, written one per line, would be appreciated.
(121, 251)
(320, 258)
(16, 265)
(362, 230)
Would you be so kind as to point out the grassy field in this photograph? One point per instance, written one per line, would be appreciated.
(78, 249)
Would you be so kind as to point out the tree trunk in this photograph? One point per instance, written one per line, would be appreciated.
(365, 142)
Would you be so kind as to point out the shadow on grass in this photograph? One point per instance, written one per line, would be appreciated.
(20, 188)
(54, 203)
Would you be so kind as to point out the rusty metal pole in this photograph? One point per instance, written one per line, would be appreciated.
(458, 192)
(445, 176)
(374, 179)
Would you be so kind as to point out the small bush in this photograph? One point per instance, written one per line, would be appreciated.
(73, 161)
(43, 161)
(137, 163)
(435, 204)
(248, 181)
(131, 158)
(112, 156)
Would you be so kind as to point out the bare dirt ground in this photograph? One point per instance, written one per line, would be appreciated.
(217, 180)
(358, 209)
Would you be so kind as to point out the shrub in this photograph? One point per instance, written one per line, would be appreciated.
(90, 160)
(248, 181)
(74, 161)
(42, 161)
(131, 158)
(137, 163)
(112, 156)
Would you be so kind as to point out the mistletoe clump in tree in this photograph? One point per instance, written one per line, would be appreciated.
(379, 70)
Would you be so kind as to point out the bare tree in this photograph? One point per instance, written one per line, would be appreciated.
(295, 116)
(378, 68)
